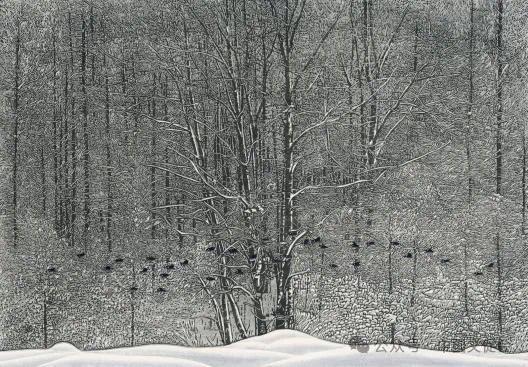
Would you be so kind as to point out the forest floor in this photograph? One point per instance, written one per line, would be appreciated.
(285, 348)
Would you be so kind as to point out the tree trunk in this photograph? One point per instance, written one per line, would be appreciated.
(45, 318)
(237, 317)
(73, 142)
(66, 218)
(43, 180)
(468, 147)
(414, 286)
(86, 151)
(500, 69)
(283, 318)
(108, 163)
(16, 102)
(372, 118)
(133, 309)
(54, 140)
(260, 319)
(523, 180)
(390, 276)
(153, 147)
(168, 220)
(470, 100)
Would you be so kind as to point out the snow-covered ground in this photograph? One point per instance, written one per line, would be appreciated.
(285, 348)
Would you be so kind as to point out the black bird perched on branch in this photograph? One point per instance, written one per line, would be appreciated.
(119, 260)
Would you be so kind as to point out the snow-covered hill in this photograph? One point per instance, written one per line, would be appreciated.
(285, 348)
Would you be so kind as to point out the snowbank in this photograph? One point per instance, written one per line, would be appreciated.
(283, 348)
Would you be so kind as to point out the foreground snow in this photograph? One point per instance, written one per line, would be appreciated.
(284, 348)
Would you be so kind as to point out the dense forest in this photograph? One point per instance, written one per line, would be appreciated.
(200, 171)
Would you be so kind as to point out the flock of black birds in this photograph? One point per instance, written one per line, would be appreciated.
(150, 258)
(252, 257)
(355, 246)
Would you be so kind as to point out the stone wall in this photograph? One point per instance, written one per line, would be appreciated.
(347, 308)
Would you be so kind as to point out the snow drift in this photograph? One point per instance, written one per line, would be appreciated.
(284, 348)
